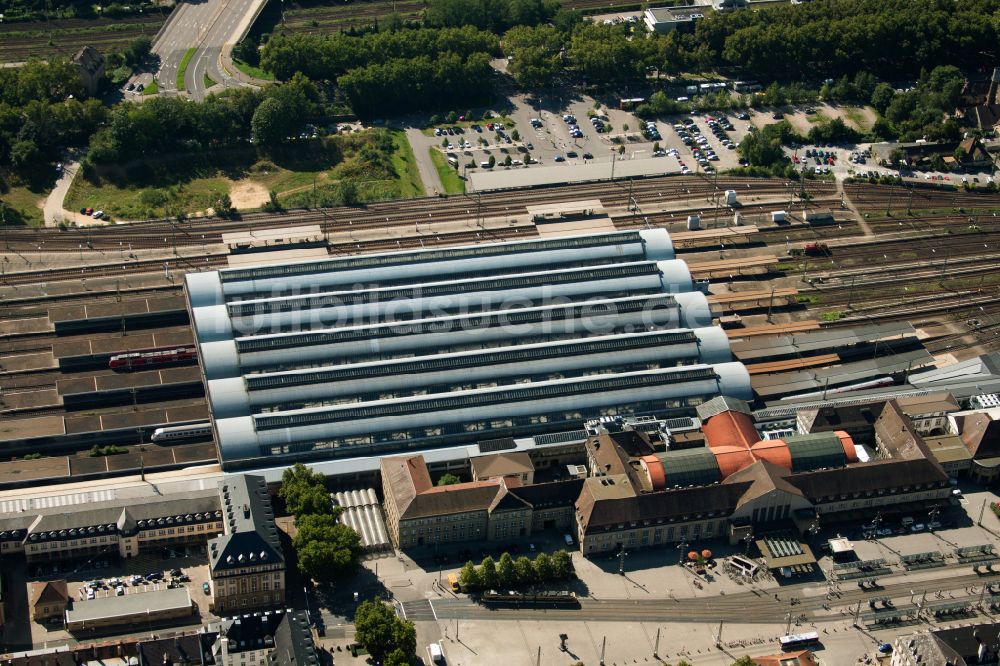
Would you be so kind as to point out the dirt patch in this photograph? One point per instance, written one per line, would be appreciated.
(248, 194)
(860, 118)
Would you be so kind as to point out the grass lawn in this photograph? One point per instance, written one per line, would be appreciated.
(857, 118)
(306, 173)
(182, 70)
(152, 88)
(26, 205)
(126, 201)
(817, 118)
(453, 184)
(208, 80)
(250, 70)
(405, 165)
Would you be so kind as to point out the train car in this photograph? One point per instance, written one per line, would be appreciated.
(171, 433)
(559, 599)
(153, 357)
(816, 248)
(874, 383)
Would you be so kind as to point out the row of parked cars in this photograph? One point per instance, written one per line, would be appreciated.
(906, 525)
(574, 129)
(177, 579)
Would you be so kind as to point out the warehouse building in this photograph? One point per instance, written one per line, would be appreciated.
(372, 355)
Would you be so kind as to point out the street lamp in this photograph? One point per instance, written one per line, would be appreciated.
(680, 547)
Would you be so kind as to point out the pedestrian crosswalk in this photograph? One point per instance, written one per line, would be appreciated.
(418, 610)
(55, 501)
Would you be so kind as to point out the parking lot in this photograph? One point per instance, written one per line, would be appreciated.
(195, 577)
(105, 576)
(581, 131)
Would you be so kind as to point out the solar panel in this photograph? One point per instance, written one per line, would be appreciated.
(437, 363)
(504, 396)
(681, 423)
(560, 437)
(494, 445)
(506, 283)
(470, 252)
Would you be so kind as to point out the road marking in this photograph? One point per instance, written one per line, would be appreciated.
(431, 604)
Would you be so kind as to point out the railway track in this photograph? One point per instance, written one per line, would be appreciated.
(161, 233)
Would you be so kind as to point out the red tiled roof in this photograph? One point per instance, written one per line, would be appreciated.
(730, 429)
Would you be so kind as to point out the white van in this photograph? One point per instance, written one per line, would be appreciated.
(486, 165)
(437, 656)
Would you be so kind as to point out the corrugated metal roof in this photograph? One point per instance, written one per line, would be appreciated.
(748, 349)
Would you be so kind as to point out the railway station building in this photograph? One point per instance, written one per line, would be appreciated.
(385, 354)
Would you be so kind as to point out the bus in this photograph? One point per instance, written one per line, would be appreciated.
(799, 641)
(453, 581)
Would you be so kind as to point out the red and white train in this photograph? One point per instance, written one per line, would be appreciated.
(152, 357)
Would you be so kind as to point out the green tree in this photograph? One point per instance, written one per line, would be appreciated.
(745, 660)
(224, 206)
(469, 577)
(325, 548)
(448, 479)
(247, 51)
(304, 491)
(488, 573)
(562, 565)
(25, 155)
(524, 570)
(382, 633)
(137, 50)
(506, 574)
(269, 124)
(882, 97)
(492, 161)
(543, 567)
(534, 53)
(397, 657)
(347, 192)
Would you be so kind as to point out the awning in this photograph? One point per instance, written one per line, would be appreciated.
(784, 551)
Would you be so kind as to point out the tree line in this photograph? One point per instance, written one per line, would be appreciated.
(508, 572)
(43, 106)
(171, 125)
(330, 56)
(326, 548)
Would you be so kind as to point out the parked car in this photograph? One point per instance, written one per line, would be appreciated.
(205, 588)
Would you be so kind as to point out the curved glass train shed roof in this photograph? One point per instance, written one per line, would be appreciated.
(444, 346)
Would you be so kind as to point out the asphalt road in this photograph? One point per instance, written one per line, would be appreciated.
(205, 26)
(730, 607)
